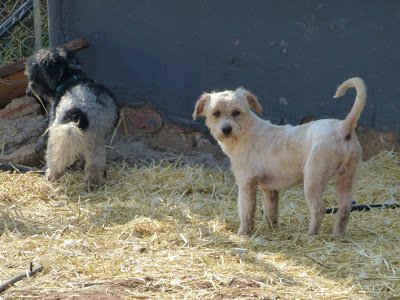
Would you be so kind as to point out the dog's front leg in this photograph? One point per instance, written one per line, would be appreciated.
(271, 207)
(247, 206)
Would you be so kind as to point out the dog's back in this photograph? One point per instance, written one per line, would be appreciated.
(98, 111)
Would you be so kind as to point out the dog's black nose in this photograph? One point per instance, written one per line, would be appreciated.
(227, 129)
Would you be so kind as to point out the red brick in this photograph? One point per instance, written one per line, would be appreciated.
(144, 117)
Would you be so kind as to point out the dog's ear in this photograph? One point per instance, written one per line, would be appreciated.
(72, 61)
(54, 66)
(251, 99)
(31, 69)
(53, 74)
(253, 102)
(200, 105)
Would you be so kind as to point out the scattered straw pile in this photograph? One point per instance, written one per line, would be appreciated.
(168, 231)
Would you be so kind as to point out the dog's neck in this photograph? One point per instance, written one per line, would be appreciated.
(69, 79)
(62, 86)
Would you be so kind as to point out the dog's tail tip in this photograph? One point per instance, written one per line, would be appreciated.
(355, 82)
(350, 122)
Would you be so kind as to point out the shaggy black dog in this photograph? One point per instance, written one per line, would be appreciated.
(82, 113)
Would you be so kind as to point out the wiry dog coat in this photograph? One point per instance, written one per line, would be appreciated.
(82, 113)
(275, 158)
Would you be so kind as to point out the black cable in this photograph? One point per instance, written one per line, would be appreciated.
(363, 207)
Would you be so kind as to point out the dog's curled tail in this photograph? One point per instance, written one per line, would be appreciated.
(66, 142)
(350, 122)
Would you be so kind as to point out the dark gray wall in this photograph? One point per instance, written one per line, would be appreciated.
(291, 54)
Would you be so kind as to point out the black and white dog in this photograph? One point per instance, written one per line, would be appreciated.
(82, 113)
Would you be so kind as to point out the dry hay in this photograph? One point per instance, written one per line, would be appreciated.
(168, 231)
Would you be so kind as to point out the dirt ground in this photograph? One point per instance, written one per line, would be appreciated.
(127, 289)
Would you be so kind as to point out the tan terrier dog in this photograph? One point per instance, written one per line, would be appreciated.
(276, 157)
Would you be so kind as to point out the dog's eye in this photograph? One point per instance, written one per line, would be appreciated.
(235, 113)
(217, 113)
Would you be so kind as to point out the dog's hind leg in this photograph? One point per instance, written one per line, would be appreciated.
(316, 176)
(55, 168)
(344, 187)
(270, 202)
(95, 162)
(247, 207)
(55, 164)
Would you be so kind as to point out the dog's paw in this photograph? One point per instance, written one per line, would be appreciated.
(272, 225)
(244, 230)
(338, 234)
(93, 183)
(312, 232)
(51, 176)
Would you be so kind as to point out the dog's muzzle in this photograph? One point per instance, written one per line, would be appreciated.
(227, 130)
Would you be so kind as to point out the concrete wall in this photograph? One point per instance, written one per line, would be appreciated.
(291, 54)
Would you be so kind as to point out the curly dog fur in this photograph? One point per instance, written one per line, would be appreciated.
(82, 113)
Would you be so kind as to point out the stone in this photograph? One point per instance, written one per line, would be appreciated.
(21, 125)
(24, 155)
(20, 107)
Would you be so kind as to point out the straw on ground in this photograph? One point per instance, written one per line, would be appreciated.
(168, 231)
